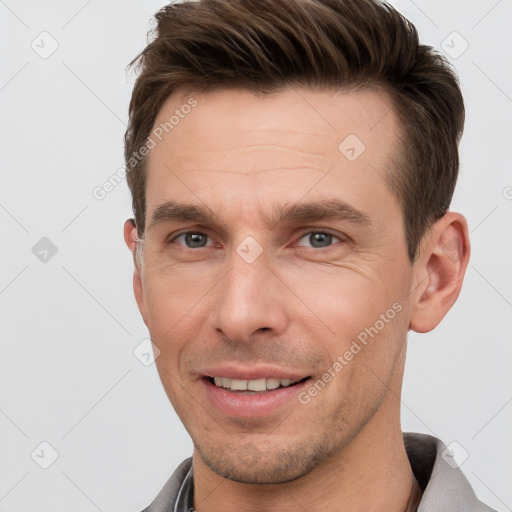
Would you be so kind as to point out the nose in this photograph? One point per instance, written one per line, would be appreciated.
(249, 301)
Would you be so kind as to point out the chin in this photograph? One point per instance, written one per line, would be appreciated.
(249, 465)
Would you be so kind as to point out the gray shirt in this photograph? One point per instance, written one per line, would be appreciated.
(444, 488)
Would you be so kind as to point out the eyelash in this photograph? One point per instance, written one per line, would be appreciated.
(295, 244)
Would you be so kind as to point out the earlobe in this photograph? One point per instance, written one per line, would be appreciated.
(131, 240)
(439, 271)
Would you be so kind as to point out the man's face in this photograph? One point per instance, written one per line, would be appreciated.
(269, 251)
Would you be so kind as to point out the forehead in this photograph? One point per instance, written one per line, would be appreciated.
(235, 147)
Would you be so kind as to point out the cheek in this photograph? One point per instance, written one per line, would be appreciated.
(352, 319)
(175, 298)
(344, 300)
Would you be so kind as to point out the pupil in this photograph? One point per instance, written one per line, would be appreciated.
(195, 240)
(320, 239)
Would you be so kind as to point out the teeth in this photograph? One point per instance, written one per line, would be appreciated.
(257, 385)
(238, 385)
(272, 383)
(252, 385)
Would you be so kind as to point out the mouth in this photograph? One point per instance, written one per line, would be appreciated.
(261, 397)
(253, 386)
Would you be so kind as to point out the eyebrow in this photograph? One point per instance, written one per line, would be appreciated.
(333, 209)
(181, 212)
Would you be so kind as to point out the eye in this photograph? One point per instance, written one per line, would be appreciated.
(317, 239)
(193, 240)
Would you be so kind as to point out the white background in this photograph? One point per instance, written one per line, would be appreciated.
(68, 375)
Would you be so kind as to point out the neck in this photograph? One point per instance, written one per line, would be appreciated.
(371, 474)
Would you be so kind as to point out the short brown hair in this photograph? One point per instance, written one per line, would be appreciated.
(265, 45)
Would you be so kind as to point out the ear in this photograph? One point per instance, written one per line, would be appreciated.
(132, 241)
(439, 271)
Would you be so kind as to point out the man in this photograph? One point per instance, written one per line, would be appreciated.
(291, 167)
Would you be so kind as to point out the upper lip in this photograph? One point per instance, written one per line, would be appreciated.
(253, 372)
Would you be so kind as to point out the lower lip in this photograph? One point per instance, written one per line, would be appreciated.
(251, 406)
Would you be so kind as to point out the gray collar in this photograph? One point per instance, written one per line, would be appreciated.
(445, 488)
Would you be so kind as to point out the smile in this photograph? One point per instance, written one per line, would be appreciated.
(252, 398)
(255, 385)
